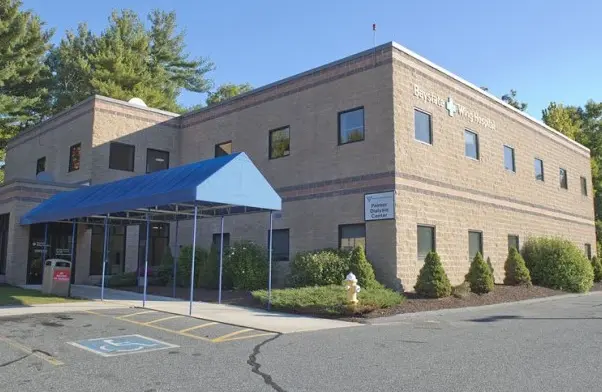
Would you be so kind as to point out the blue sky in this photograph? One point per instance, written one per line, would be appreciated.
(548, 50)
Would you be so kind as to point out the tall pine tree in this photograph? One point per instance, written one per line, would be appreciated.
(23, 74)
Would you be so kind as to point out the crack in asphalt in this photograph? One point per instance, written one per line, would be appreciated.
(23, 357)
(252, 361)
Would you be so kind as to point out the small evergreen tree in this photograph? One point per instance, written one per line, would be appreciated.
(490, 267)
(361, 267)
(597, 266)
(516, 270)
(479, 276)
(432, 281)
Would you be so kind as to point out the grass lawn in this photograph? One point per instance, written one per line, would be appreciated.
(329, 300)
(11, 295)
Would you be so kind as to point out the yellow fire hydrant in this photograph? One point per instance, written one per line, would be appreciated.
(352, 288)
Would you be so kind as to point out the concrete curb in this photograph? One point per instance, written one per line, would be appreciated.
(440, 312)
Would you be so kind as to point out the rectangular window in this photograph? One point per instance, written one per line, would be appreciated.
(538, 169)
(471, 144)
(280, 245)
(157, 246)
(156, 160)
(280, 143)
(41, 165)
(584, 186)
(116, 250)
(509, 159)
(426, 241)
(588, 251)
(351, 236)
(121, 156)
(351, 126)
(223, 149)
(4, 219)
(564, 182)
(74, 157)
(216, 240)
(513, 242)
(422, 127)
(475, 244)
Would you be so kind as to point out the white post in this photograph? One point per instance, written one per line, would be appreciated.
(270, 266)
(176, 255)
(104, 258)
(221, 263)
(196, 209)
(146, 259)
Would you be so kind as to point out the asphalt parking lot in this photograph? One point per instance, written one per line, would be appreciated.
(127, 349)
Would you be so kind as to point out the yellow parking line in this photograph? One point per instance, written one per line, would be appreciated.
(133, 314)
(248, 336)
(188, 335)
(223, 337)
(197, 327)
(161, 319)
(46, 357)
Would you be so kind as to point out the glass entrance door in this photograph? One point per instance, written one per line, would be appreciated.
(57, 246)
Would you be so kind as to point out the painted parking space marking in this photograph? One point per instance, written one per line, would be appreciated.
(161, 319)
(239, 334)
(122, 345)
(198, 327)
(27, 350)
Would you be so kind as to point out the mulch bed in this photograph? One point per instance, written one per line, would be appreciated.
(412, 304)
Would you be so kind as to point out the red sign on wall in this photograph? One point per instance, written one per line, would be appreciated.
(62, 276)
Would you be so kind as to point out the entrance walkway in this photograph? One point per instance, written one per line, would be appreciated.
(228, 314)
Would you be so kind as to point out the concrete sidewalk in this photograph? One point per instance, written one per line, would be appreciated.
(236, 315)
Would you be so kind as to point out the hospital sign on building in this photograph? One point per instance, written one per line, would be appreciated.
(379, 206)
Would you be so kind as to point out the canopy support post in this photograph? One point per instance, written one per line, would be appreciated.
(221, 262)
(104, 258)
(175, 259)
(72, 251)
(196, 210)
(270, 266)
(146, 259)
(45, 252)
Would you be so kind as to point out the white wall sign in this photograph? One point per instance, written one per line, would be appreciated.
(379, 206)
(453, 107)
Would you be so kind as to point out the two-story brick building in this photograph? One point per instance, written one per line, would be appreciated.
(381, 148)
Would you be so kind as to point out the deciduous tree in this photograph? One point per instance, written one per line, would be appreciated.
(227, 91)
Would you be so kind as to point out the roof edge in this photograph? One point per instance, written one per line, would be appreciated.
(134, 106)
(290, 78)
(485, 93)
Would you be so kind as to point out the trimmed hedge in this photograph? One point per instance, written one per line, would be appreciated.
(432, 281)
(246, 265)
(558, 264)
(516, 270)
(479, 276)
(330, 267)
(597, 267)
(127, 279)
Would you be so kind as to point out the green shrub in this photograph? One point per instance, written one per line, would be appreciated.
(516, 270)
(319, 268)
(209, 270)
(462, 290)
(558, 264)
(361, 268)
(597, 267)
(432, 281)
(479, 276)
(246, 264)
(185, 265)
(127, 279)
(165, 271)
(329, 300)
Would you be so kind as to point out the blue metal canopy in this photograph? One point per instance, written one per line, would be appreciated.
(221, 186)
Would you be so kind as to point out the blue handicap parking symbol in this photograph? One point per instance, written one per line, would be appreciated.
(121, 345)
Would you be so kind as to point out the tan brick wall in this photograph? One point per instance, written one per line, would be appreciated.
(438, 185)
(52, 139)
(124, 124)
